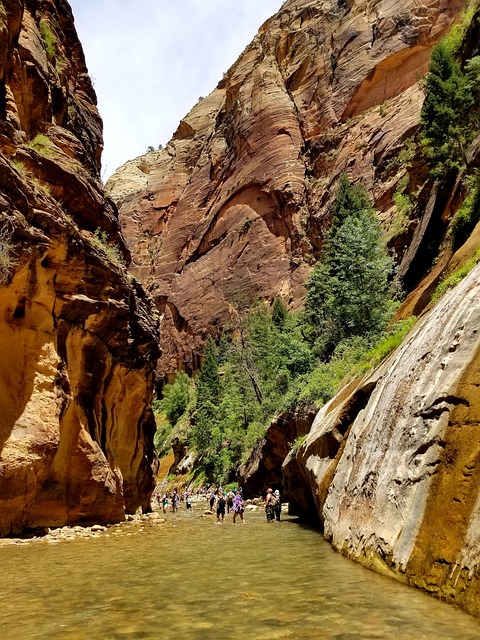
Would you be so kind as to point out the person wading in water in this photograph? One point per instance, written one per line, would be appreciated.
(269, 506)
(278, 506)
(220, 501)
(238, 507)
(230, 499)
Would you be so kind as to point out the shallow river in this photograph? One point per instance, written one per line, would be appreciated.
(190, 579)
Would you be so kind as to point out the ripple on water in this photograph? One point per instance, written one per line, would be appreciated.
(190, 580)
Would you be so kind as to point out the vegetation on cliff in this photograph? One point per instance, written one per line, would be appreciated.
(269, 360)
(349, 292)
(450, 123)
(451, 108)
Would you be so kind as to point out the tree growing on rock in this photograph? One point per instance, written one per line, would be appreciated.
(206, 432)
(450, 112)
(348, 292)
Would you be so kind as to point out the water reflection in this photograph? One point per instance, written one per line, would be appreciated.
(190, 579)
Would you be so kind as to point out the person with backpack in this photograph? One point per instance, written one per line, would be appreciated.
(230, 499)
(212, 499)
(277, 507)
(238, 507)
(220, 502)
(269, 506)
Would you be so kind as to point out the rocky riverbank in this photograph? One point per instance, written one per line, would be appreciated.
(133, 525)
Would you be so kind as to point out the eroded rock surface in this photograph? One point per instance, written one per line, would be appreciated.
(235, 207)
(78, 336)
(391, 466)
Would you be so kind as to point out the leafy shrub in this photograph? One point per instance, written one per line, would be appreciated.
(407, 153)
(111, 250)
(352, 357)
(297, 444)
(327, 378)
(176, 397)
(48, 37)
(246, 224)
(42, 144)
(7, 261)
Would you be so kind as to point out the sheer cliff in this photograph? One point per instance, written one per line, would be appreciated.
(78, 335)
(236, 206)
(390, 465)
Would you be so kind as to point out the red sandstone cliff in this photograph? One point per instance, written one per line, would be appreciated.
(237, 203)
(78, 336)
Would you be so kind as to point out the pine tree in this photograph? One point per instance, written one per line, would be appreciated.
(349, 200)
(279, 313)
(348, 292)
(207, 401)
(447, 113)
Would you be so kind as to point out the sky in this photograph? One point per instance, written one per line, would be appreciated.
(151, 60)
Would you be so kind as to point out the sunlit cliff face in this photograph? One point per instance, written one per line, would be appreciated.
(235, 207)
(78, 336)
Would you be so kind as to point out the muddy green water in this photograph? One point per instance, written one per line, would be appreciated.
(190, 579)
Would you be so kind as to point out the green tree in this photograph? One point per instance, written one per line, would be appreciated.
(259, 362)
(449, 118)
(348, 292)
(176, 397)
(207, 403)
(468, 215)
(349, 201)
(279, 313)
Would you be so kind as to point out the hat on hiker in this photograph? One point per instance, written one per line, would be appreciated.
(269, 490)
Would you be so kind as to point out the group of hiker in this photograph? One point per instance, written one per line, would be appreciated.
(224, 502)
(175, 499)
(232, 502)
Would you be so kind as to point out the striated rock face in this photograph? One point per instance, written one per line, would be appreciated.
(391, 466)
(78, 337)
(236, 205)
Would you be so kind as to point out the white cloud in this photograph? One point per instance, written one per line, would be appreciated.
(152, 59)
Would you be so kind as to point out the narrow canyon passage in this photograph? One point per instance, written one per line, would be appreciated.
(190, 579)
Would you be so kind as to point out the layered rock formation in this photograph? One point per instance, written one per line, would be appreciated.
(236, 205)
(390, 465)
(78, 336)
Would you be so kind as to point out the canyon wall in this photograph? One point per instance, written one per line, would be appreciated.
(78, 335)
(391, 464)
(234, 209)
(389, 468)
